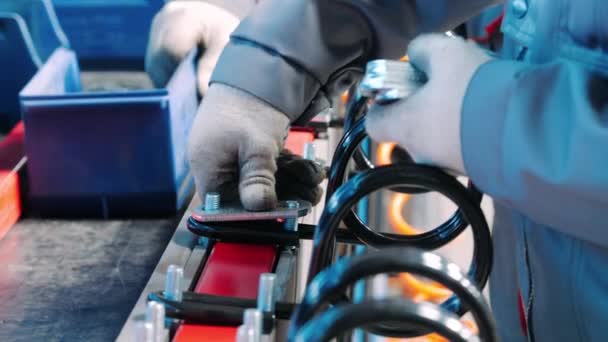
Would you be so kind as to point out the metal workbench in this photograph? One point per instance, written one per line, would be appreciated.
(75, 280)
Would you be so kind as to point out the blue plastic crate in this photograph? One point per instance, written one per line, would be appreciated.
(29, 33)
(106, 154)
(108, 31)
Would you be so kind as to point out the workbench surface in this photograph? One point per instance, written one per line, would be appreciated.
(75, 280)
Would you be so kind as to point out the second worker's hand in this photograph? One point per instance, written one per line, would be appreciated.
(236, 149)
(427, 123)
(179, 27)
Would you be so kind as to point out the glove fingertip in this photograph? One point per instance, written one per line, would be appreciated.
(378, 123)
(317, 194)
(258, 197)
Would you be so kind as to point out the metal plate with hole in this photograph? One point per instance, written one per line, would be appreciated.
(236, 212)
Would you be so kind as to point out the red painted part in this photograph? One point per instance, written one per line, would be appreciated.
(522, 314)
(491, 30)
(11, 153)
(10, 206)
(232, 270)
(296, 140)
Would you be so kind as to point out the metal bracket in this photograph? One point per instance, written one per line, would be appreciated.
(236, 212)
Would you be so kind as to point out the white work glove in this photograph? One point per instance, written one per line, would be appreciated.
(178, 28)
(234, 150)
(427, 124)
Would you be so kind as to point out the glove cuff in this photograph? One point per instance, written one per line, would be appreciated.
(252, 110)
(269, 74)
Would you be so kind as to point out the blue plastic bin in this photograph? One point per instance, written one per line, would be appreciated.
(108, 32)
(29, 34)
(106, 154)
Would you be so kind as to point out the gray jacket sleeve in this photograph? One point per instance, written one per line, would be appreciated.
(535, 137)
(240, 8)
(297, 54)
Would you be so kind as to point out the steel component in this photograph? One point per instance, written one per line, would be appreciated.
(388, 80)
(422, 316)
(291, 222)
(236, 212)
(174, 283)
(333, 281)
(253, 320)
(181, 250)
(310, 152)
(225, 265)
(212, 201)
(245, 334)
(155, 314)
(144, 332)
(266, 292)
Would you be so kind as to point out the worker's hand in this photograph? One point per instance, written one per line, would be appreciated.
(234, 149)
(178, 28)
(427, 124)
(299, 178)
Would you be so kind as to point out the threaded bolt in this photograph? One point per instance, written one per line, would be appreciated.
(310, 152)
(212, 201)
(291, 223)
(266, 298)
(144, 332)
(253, 320)
(245, 334)
(155, 314)
(173, 283)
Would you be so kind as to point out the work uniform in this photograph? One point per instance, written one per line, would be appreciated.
(534, 131)
(239, 8)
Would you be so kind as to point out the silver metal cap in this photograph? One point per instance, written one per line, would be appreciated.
(155, 314)
(389, 80)
(245, 334)
(291, 223)
(253, 319)
(212, 201)
(266, 292)
(310, 152)
(144, 332)
(173, 283)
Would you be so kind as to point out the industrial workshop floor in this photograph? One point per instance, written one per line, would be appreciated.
(75, 280)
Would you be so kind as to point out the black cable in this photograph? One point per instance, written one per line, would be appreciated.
(333, 281)
(424, 316)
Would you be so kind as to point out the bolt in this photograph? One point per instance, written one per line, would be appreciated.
(144, 332)
(155, 314)
(173, 283)
(245, 334)
(266, 298)
(252, 319)
(212, 201)
(291, 223)
(309, 151)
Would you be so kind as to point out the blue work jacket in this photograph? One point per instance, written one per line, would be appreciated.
(534, 131)
(535, 138)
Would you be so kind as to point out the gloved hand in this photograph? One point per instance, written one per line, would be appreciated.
(427, 124)
(178, 28)
(234, 145)
(299, 178)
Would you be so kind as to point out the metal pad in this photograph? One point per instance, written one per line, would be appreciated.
(236, 212)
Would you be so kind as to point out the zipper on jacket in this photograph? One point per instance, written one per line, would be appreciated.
(530, 301)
